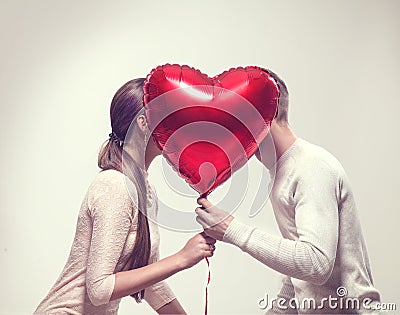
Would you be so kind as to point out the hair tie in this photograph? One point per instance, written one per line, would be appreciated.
(113, 137)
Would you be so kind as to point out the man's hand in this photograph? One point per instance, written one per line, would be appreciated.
(214, 221)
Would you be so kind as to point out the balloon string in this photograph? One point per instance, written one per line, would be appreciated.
(208, 282)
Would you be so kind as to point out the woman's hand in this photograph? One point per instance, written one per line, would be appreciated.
(198, 247)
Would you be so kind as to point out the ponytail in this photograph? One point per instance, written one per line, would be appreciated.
(127, 102)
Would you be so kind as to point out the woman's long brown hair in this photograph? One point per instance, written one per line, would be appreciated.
(126, 104)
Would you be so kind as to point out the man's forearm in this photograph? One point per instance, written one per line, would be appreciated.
(293, 258)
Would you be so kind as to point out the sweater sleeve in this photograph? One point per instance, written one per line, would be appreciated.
(312, 255)
(158, 295)
(110, 208)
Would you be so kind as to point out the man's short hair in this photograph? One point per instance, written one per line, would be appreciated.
(283, 101)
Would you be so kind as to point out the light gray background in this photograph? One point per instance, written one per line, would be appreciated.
(62, 61)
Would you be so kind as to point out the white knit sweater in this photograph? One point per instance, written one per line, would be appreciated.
(104, 239)
(322, 248)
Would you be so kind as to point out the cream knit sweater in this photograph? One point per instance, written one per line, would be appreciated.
(104, 239)
(322, 246)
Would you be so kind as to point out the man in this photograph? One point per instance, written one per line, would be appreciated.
(322, 251)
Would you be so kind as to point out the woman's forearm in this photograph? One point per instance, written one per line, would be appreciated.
(131, 281)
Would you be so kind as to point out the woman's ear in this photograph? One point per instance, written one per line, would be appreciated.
(142, 123)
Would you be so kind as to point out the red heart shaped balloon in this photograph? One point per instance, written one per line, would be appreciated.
(209, 127)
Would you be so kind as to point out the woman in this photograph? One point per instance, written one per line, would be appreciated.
(115, 250)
